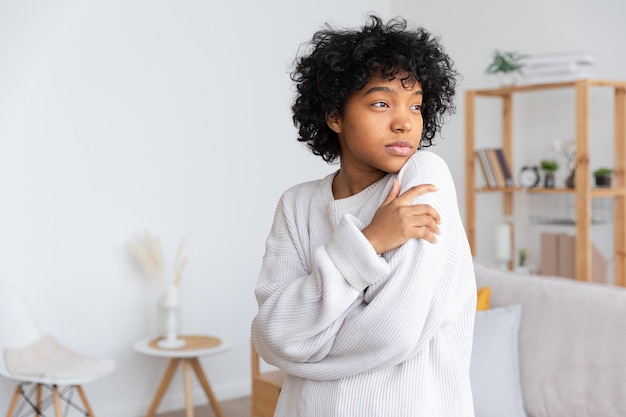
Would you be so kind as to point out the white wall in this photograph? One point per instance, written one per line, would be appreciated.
(121, 116)
(116, 117)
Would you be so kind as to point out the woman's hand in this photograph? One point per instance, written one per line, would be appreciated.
(397, 220)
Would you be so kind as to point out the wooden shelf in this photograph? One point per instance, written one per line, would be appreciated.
(505, 91)
(583, 192)
(595, 192)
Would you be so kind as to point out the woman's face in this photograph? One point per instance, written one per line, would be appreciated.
(381, 126)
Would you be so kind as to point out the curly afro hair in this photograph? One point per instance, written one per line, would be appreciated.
(341, 63)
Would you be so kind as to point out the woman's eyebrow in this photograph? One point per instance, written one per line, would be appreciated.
(388, 90)
(379, 89)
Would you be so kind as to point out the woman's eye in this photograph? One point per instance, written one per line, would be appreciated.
(417, 107)
(380, 104)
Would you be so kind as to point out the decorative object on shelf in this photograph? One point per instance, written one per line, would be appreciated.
(549, 167)
(506, 65)
(558, 67)
(149, 255)
(523, 257)
(570, 181)
(529, 176)
(503, 244)
(522, 266)
(603, 177)
(567, 148)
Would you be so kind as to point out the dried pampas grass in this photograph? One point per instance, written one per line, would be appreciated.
(149, 254)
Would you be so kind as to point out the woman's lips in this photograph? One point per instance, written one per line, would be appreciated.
(400, 148)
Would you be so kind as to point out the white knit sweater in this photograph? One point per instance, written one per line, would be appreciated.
(363, 335)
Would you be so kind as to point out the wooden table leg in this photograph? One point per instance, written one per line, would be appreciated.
(169, 373)
(188, 393)
(83, 397)
(207, 388)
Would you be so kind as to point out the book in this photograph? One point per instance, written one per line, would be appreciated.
(549, 254)
(558, 257)
(505, 168)
(490, 178)
(556, 78)
(560, 58)
(495, 167)
(566, 260)
(561, 68)
(482, 167)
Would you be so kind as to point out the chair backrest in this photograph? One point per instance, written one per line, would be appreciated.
(17, 325)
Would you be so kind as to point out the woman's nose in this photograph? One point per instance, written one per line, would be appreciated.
(401, 122)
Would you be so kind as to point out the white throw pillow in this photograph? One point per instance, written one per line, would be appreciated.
(494, 369)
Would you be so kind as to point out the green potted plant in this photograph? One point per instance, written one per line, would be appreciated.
(603, 176)
(523, 255)
(506, 65)
(549, 167)
(522, 267)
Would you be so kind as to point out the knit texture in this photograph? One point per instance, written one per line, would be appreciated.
(361, 334)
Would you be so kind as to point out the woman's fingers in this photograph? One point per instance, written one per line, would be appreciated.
(425, 210)
(420, 221)
(393, 193)
(399, 219)
(412, 193)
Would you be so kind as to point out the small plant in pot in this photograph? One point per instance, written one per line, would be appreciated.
(506, 65)
(522, 267)
(603, 176)
(549, 167)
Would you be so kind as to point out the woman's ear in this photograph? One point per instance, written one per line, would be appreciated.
(333, 120)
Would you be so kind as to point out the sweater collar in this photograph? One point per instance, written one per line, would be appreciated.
(354, 201)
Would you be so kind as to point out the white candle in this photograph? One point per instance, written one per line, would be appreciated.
(503, 242)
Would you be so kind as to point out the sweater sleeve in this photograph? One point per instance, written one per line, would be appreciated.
(302, 308)
(425, 289)
(402, 312)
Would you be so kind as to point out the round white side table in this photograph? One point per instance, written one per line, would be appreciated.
(195, 347)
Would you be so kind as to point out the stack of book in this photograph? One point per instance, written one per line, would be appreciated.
(558, 257)
(558, 67)
(495, 168)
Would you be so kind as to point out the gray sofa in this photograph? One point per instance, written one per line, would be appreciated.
(572, 347)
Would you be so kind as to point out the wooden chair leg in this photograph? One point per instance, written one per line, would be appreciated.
(14, 400)
(39, 390)
(83, 397)
(57, 401)
(164, 384)
(207, 388)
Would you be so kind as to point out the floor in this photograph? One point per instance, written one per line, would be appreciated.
(239, 407)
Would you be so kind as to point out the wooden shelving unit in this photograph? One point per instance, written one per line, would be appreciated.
(583, 190)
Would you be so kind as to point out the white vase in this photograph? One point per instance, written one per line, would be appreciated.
(507, 79)
(168, 317)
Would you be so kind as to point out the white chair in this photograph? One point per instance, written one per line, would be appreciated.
(47, 373)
